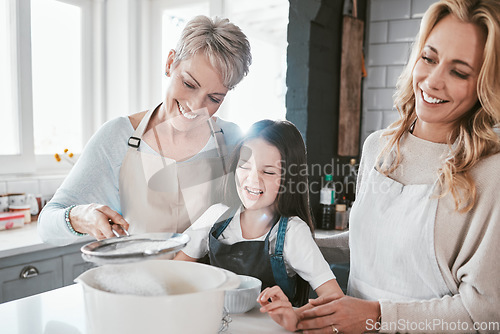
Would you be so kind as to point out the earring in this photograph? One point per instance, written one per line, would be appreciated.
(167, 73)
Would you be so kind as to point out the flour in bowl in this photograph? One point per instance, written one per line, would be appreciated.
(130, 282)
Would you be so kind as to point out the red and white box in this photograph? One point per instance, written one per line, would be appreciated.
(10, 220)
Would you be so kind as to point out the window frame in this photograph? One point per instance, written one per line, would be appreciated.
(27, 162)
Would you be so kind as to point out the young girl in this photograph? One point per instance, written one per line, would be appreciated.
(266, 229)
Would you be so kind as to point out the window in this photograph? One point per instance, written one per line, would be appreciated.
(262, 93)
(46, 90)
(56, 49)
(8, 116)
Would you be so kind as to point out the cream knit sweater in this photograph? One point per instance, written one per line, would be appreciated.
(467, 245)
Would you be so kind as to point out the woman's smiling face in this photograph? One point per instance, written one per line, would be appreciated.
(445, 76)
(195, 92)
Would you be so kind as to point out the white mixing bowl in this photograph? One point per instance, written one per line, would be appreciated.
(244, 297)
(155, 296)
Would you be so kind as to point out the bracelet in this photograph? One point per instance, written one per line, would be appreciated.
(68, 223)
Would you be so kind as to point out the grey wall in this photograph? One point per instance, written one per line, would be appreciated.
(391, 28)
(313, 72)
(313, 81)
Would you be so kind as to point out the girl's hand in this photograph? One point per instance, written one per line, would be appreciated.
(277, 305)
(97, 220)
(346, 314)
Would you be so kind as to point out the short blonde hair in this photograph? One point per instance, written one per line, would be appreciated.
(225, 45)
(475, 134)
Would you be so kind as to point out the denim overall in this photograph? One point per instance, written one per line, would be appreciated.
(252, 258)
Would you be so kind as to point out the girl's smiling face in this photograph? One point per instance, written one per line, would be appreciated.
(445, 77)
(258, 175)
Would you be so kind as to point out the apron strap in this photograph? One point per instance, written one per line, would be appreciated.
(220, 143)
(224, 221)
(280, 239)
(135, 140)
(287, 284)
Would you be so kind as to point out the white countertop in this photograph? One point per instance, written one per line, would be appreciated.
(24, 240)
(19, 240)
(62, 311)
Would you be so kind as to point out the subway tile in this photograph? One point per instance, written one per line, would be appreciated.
(393, 73)
(389, 9)
(376, 77)
(23, 186)
(3, 187)
(418, 7)
(378, 99)
(389, 117)
(388, 54)
(378, 32)
(403, 30)
(49, 186)
(372, 121)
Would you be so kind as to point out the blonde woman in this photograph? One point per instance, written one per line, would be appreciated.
(424, 228)
(156, 171)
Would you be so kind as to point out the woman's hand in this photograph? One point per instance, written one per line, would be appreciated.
(97, 220)
(279, 308)
(345, 314)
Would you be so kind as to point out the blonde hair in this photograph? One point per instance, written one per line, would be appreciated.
(225, 45)
(474, 133)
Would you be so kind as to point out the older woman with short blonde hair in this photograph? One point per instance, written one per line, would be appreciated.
(158, 170)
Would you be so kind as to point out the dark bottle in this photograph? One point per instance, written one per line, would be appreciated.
(350, 183)
(327, 204)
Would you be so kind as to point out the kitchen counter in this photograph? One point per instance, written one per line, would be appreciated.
(28, 266)
(25, 240)
(62, 311)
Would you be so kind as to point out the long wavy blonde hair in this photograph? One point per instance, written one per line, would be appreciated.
(474, 133)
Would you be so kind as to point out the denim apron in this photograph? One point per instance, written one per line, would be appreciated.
(158, 194)
(391, 240)
(252, 258)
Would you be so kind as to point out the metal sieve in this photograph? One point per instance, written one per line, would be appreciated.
(133, 248)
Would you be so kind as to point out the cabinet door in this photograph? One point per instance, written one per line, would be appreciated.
(30, 278)
(73, 266)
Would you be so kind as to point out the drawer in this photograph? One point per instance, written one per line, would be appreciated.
(73, 266)
(30, 278)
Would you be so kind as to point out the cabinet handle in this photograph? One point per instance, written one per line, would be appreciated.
(29, 272)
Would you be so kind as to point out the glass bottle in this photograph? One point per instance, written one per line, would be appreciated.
(327, 204)
(350, 183)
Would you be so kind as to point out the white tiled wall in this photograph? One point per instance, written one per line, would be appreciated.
(37, 185)
(392, 26)
(3, 187)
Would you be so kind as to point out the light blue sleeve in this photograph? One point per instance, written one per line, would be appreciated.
(93, 179)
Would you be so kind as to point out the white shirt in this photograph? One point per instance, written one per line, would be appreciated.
(300, 252)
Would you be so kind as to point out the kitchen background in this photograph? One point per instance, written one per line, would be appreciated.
(114, 65)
